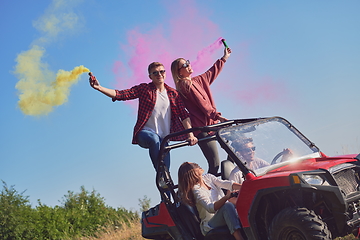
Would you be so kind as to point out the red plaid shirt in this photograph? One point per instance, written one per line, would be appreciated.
(146, 93)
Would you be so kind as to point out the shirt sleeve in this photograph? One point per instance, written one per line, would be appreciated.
(128, 94)
(236, 175)
(264, 163)
(211, 74)
(226, 184)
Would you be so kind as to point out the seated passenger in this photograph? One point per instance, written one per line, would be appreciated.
(204, 192)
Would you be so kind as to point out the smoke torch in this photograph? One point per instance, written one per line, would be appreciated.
(223, 40)
(92, 78)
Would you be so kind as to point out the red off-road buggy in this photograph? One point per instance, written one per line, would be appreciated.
(308, 196)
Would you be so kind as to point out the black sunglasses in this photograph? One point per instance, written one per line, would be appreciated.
(248, 149)
(158, 72)
(186, 64)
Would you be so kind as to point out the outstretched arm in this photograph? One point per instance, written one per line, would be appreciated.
(94, 83)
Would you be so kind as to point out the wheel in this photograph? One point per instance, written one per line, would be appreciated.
(298, 224)
(167, 237)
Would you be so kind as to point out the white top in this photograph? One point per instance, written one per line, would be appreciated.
(160, 119)
(206, 198)
(237, 176)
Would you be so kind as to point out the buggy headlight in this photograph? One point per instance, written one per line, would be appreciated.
(315, 180)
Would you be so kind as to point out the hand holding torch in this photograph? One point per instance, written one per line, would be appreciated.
(92, 79)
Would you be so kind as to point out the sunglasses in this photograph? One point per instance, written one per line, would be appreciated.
(186, 64)
(158, 72)
(248, 149)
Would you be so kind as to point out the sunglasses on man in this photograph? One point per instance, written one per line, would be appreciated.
(252, 149)
(158, 72)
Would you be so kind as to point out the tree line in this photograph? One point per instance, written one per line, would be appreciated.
(82, 214)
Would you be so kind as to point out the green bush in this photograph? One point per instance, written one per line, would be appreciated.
(80, 214)
(15, 215)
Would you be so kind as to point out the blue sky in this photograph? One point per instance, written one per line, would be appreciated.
(295, 59)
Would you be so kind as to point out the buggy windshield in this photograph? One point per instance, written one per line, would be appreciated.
(261, 144)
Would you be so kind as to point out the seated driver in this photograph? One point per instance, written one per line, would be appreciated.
(245, 150)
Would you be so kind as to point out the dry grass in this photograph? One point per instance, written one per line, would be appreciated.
(348, 237)
(131, 231)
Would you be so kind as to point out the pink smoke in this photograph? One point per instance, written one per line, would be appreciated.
(184, 38)
(204, 57)
(187, 32)
(245, 90)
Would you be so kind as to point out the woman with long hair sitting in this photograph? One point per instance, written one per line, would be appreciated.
(205, 192)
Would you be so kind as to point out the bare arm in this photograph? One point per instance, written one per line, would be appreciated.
(94, 83)
(218, 204)
(221, 202)
(187, 124)
(236, 186)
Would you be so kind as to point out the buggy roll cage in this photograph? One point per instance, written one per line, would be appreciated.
(164, 182)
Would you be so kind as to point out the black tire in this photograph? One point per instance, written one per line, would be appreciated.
(162, 238)
(298, 224)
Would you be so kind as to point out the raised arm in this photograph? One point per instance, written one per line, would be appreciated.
(227, 52)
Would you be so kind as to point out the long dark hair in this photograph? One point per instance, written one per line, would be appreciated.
(187, 179)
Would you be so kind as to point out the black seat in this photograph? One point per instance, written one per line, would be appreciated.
(190, 218)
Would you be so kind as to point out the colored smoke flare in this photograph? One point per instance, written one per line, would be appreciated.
(92, 77)
(40, 89)
(204, 57)
(223, 40)
(38, 93)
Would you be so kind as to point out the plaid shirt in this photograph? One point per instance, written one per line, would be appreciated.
(146, 93)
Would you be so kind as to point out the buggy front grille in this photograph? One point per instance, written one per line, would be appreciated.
(347, 181)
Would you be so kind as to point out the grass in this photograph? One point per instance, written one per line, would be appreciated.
(129, 231)
(348, 237)
(132, 231)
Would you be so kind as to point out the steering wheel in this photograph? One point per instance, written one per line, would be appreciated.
(277, 157)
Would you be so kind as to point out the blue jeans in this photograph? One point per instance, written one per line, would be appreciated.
(150, 140)
(226, 215)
